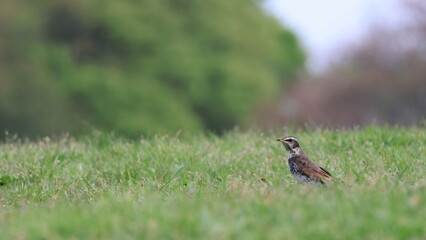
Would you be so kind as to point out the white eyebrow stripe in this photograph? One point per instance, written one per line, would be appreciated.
(293, 138)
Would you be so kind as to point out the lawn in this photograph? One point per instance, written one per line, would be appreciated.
(236, 186)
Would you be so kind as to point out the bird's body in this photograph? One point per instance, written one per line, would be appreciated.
(301, 166)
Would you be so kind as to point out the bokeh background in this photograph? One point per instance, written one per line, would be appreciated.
(167, 66)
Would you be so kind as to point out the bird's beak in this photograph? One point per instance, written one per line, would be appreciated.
(280, 140)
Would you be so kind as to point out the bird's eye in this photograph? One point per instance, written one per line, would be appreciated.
(290, 140)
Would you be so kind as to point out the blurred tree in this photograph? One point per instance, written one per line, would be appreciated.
(380, 80)
(138, 66)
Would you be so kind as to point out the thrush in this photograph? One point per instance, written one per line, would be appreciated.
(302, 168)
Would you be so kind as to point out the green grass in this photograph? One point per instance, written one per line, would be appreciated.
(237, 186)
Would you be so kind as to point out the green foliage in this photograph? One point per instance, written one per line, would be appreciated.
(208, 187)
(138, 66)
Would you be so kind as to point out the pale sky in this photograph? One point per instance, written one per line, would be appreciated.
(325, 25)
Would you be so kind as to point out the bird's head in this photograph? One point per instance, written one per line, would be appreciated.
(290, 143)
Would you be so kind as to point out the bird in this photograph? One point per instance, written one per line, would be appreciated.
(303, 169)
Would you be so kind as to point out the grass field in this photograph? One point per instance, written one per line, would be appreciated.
(237, 186)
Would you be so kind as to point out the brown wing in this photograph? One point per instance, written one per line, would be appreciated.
(314, 174)
(325, 173)
(311, 170)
